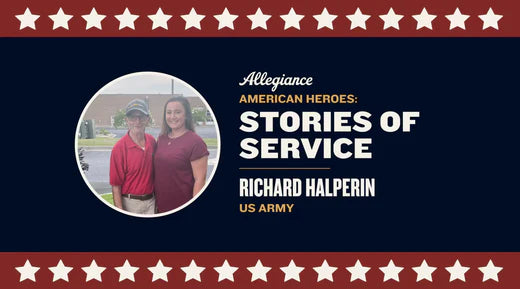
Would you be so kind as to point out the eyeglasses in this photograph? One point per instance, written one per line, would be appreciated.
(137, 117)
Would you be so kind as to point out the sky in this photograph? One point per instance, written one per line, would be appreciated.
(147, 82)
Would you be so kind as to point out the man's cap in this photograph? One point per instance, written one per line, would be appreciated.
(139, 105)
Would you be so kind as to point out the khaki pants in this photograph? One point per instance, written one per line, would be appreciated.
(146, 207)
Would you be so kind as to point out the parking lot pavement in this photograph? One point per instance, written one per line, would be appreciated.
(204, 131)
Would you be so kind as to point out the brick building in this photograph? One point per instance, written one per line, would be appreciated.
(105, 106)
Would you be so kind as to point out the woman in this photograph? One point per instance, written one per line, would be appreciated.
(181, 157)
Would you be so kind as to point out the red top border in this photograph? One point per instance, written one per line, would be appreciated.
(283, 18)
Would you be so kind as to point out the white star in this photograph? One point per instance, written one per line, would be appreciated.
(259, 19)
(424, 271)
(291, 19)
(325, 19)
(391, 19)
(27, 19)
(225, 19)
(325, 271)
(60, 19)
(159, 271)
(292, 271)
(93, 271)
(457, 271)
(358, 19)
(358, 271)
(490, 271)
(192, 19)
(225, 271)
(424, 19)
(60, 271)
(126, 271)
(457, 19)
(160, 19)
(27, 271)
(259, 271)
(391, 271)
(490, 19)
(93, 19)
(192, 271)
(126, 19)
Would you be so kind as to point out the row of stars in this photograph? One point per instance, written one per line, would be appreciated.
(259, 19)
(258, 272)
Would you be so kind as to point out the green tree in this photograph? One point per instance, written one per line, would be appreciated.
(119, 119)
(198, 115)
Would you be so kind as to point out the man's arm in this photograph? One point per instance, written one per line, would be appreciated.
(116, 194)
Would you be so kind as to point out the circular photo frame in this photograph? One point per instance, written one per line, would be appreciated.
(147, 144)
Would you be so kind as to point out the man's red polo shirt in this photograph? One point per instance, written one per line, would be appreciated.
(131, 166)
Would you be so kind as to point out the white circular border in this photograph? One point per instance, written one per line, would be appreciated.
(145, 215)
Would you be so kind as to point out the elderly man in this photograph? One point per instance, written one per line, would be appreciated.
(131, 163)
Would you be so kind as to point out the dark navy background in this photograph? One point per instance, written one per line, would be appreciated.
(449, 185)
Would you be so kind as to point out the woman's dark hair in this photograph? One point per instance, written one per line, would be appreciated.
(188, 122)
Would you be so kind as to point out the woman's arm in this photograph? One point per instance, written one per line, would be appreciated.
(199, 168)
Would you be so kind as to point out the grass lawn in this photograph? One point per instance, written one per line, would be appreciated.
(210, 141)
(110, 141)
(108, 198)
(96, 142)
